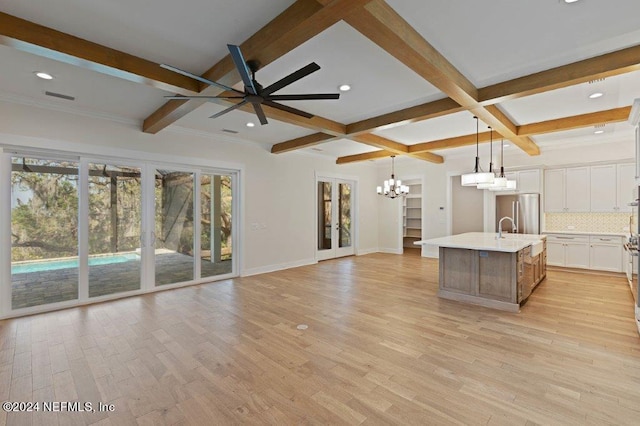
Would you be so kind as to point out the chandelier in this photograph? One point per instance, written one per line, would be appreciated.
(392, 188)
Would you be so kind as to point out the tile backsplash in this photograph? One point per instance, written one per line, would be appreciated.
(587, 222)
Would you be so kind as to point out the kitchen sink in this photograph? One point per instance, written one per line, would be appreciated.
(536, 248)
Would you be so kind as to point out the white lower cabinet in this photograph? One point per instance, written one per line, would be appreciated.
(603, 253)
(606, 254)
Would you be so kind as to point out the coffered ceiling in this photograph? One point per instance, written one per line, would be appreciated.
(419, 70)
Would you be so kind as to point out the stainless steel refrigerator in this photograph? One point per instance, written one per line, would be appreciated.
(524, 209)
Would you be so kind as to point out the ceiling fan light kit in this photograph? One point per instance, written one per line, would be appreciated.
(254, 93)
(477, 176)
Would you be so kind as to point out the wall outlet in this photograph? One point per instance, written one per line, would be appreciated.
(571, 227)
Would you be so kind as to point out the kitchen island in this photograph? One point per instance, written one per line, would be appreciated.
(478, 268)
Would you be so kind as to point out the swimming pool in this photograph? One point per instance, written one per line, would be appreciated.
(52, 265)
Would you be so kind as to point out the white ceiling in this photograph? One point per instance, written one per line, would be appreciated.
(488, 43)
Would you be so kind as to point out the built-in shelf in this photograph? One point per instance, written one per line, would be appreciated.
(412, 214)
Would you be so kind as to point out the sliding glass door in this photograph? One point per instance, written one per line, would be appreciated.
(79, 229)
(114, 228)
(174, 227)
(216, 218)
(44, 231)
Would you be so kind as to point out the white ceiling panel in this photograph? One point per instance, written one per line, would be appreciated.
(446, 126)
(92, 91)
(494, 41)
(618, 91)
(236, 121)
(379, 83)
(340, 148)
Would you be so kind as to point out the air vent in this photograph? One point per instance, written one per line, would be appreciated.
(60, 95)
(598, 80)
(317, 149)
(599, 126)
(229, 131)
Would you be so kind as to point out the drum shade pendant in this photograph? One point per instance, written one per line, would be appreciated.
(478, 176)
(504, 184)
(392, 188)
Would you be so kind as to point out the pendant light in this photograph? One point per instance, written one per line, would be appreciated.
(478, 176)
(494, 183)
(502, 184)
(392, 188)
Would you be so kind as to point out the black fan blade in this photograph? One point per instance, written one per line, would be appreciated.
(311, 97)
(203, 97)
(241, 65)
(287, 108)
(197, 77)
(231, 108)
(260, 113)
(293, 77)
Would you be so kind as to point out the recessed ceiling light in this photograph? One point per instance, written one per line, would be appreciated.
(595, 95)
(506, 145)
(344, 88)
(43, 75)
(570, 1)
(598, 132)
(250, 124)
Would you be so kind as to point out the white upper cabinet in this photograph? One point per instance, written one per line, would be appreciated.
(567, 190)
(526, 180)
(603, 188)
(626, 185)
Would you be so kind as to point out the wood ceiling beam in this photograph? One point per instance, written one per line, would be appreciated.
(385, 27)
(36, 39)
(297, 24)
(302, 142)
(454, 142)
(373, 155)
(615, 115)
(395, 148)
(607, 65)
(405, 116)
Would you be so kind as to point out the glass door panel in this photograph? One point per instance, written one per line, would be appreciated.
(325, 212)
(174, 230)
(215, 225)
(44, 231)
(115, 215)
(344, 215)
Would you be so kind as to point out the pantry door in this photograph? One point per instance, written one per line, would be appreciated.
(335, 218)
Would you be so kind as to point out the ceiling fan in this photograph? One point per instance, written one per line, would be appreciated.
(253, 92)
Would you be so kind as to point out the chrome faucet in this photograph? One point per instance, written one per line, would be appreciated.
(500, 226)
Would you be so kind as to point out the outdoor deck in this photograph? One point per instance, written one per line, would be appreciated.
(44, 287)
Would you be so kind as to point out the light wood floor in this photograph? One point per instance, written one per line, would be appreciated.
(380, 348)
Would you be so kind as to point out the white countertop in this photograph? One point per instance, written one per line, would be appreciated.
(485, 241)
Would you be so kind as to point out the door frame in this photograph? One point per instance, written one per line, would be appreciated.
(337, 178)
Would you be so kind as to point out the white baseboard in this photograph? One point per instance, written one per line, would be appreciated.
(390, 250)
(277, 267)
(362, 252)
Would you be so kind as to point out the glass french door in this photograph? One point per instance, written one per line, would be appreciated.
(335, 218)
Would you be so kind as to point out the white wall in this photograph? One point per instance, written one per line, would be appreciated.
(278, 189)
